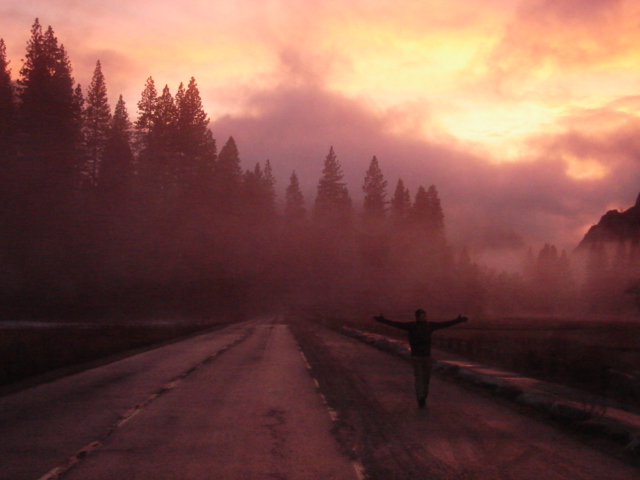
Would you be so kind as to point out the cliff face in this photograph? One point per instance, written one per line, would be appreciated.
(615, 226)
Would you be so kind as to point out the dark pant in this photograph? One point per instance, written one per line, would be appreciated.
(422, 372)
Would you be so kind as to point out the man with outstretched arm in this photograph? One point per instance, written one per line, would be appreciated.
(420, 342)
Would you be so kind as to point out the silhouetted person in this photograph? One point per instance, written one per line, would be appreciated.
(420, 342)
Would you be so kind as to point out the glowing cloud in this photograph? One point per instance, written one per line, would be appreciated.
(523, 113)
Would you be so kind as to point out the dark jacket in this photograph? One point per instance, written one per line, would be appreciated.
(420, 333)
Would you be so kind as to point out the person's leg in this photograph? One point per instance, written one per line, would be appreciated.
(426, 376)
(421, 372)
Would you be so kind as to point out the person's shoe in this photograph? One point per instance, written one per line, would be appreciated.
(422, 402)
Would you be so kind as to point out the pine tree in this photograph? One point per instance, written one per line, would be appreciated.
(164, 129)
(269, 190)
(436, 215)
(8, 180)
(375, 190)
(228, 174)
(258, 193)
(7, 110)
(194, 137)
(156, 128)
(120, 123)
(50, 121)
(333, 204)
(252, 184)
(80, 172)
(117, 166)
(427, 212)
(294, 210)
(97, 117)
(400, 203)
(147, 107)
(194, 143)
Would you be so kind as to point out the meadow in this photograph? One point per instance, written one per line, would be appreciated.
(599, 355)
(29, 349)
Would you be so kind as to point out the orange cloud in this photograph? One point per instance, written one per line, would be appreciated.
(442, 92)
(548, 40)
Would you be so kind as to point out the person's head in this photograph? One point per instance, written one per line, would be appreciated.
(421, 315)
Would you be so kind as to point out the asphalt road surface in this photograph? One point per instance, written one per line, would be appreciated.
(268, 400)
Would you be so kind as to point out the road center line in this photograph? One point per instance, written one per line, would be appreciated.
(358, 468)
(57, 472)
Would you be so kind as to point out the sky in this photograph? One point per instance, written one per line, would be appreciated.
(524, 115)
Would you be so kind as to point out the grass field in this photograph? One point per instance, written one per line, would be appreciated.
(599, 355)
(28, 349)
(602, 356)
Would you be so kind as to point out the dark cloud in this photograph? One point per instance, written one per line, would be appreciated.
(533, 200)
(293, 116)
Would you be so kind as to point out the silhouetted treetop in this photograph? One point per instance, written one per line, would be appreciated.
(50, 114)
(333, 202)
(400, 203)
(8, 110)
(194, 139)
(258, 192)
(427, 211)
(294, 210)
(375, 191)
(228, 163)
(97, 118)
(146, 112)
(117, 167)
(228, 174)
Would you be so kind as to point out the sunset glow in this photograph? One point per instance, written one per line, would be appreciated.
(485, 83)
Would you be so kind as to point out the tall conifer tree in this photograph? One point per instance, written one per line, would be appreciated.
(375, 192)
(268, 187)
(400, 203)
(194, 143)
(194, 137)
(258, 194)
(50, 121)
(333, 203)
(147, 110)
(427, 211)
(8, 181)
(97, 117)
(164, 129)
(228, 174)
(436, 215)
(117, 167)
(156, 128)
(294, 210)
(7, 110)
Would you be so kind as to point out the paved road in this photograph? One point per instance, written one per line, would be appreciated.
(461, 435)
(243, 402)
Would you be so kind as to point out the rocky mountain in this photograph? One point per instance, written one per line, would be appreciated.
(615, 226)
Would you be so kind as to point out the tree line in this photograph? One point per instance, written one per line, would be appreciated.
(100, 213)
(102, 216)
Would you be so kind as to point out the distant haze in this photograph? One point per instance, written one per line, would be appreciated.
(525, 115)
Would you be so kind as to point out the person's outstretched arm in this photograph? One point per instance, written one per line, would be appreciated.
(450, 323)
(381, 319)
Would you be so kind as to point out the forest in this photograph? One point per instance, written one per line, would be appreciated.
(107, 216)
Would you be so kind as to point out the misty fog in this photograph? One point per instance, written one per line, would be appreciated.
(107, 216)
